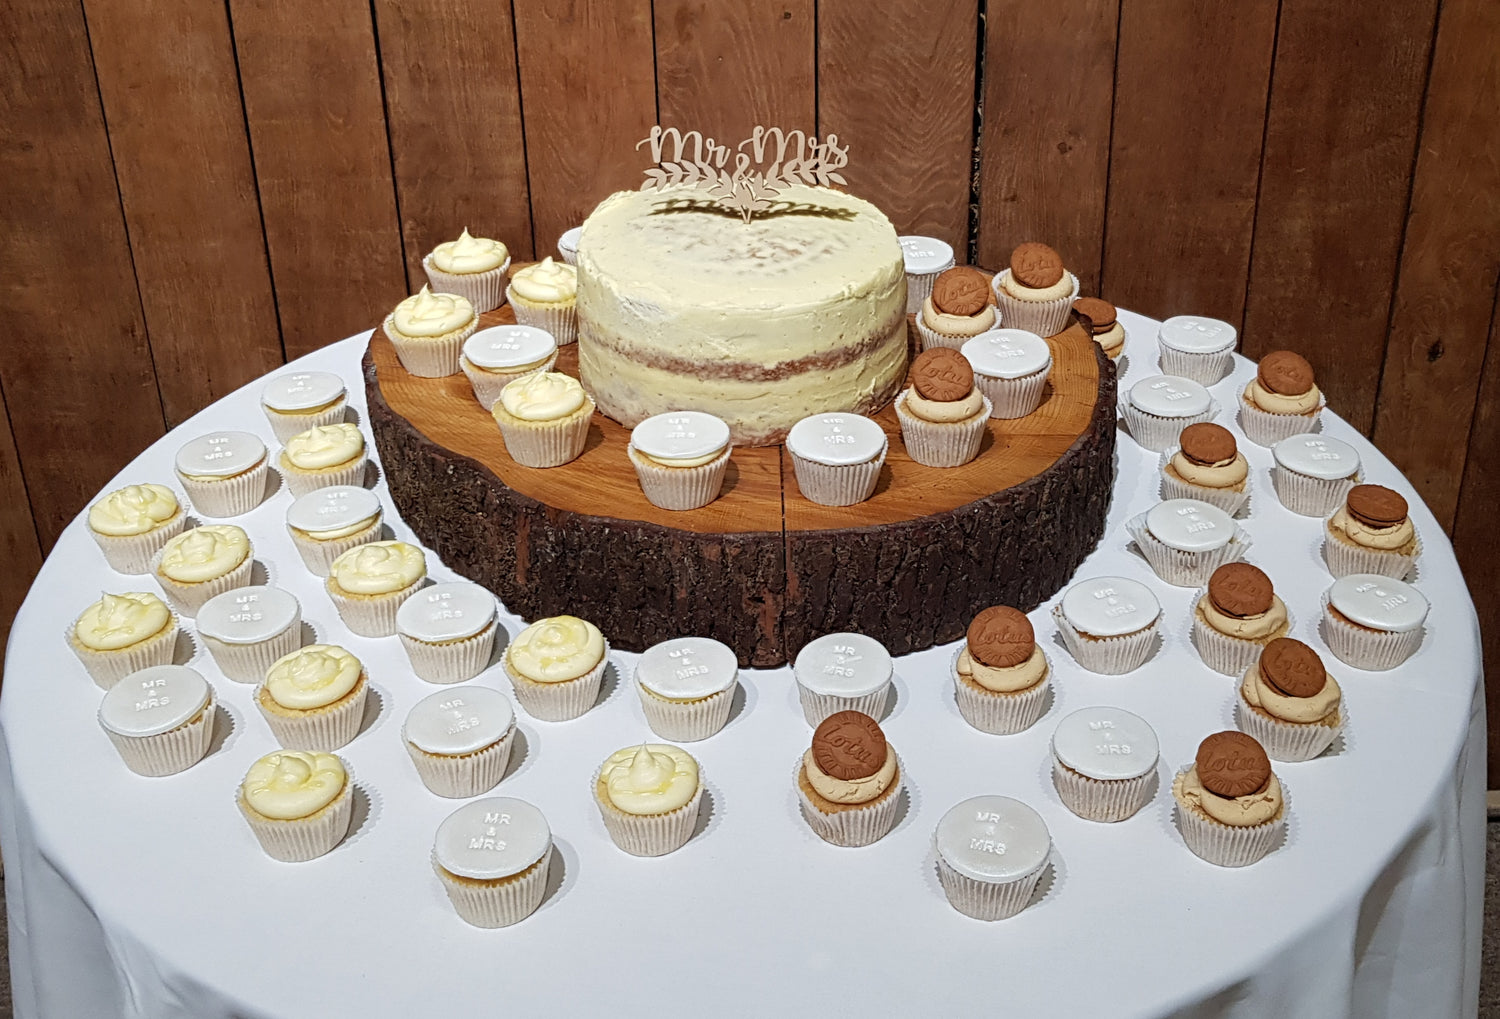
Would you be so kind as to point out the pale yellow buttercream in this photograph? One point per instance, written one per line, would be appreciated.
(121, 620)
(1321, 706)
(556, 650)
(324, 446)
(469, 255)
(957, 325)
(653, 778)
(683, 461)
(292, 784)
(204, 553)
(542, 396)
(340, 532)
(859, 790)
(945, 411)
(546, 282)
(1386, 539)
(1256, 627)
(1021, 292)
(1237, 812)
(1280, 403)
(312, 677)
(380, 567)
(1004, 680)
(425, 314)
(134, 509)
(1229, 473)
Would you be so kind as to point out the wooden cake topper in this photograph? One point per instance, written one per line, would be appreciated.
(751, 184)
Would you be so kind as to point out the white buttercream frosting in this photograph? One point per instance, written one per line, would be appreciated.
(324, 446)
(542, 396)
(119, 620)
(134, 509)
(469, 254)
(653, 778)
(425, 314)
(204, 553)
(313, 677)
(556, 650)
(292, 784)
(546, 282)
(380, 567)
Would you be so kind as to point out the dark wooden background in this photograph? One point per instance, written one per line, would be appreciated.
(193, 191)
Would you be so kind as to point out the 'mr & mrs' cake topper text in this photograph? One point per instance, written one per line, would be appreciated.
(769, 160)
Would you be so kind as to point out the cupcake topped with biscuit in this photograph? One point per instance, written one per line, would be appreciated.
(958, 307)
(1230, 807)
(1098, 316)
(1208, 466)
(1371, 533)
(1282, 400)
(1236, 616)
(1289, 703)
(849, 780)
(1036, 292)
(943, 413)
(1000, 674)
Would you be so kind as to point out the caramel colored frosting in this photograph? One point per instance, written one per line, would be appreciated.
(469, 254)
(1004, 680)
(313, 677)
(1386, 539)
(1021, 292)
(556, 650)
(425, 314)
(1230, 473)
(121, 620)
(1256, 627)
(1237, 812)
(957, 325)
(1278, 403)
(653, 778)
(381, 567)
(542, 396)
(134, 509)
(292, 784)
(204, 553)
(944, 411)
(1321, 706)
(324, 446)
(546, 282)
(852, 791)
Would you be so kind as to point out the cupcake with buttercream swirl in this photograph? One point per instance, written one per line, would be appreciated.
(544, 418)
(649, 797)
(472, 267)
(545, 295)
(323, 456)
(428, 331)
(298, 803)
(556, 666)
(367, 584)
(130, 524)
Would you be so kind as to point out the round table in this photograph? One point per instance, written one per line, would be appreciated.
(149, 897)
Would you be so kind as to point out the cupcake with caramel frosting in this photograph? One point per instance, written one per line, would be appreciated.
(1000, 675)
(428, 331)
(1282, 400)
(1289, 703)
(957, 309)
(1208, 466)
(472, 267)
(1371, 533)
(1036, 292)
(1231, 808)
(943, 413)
(1236, 616)
(1102, 321)
(849, 781)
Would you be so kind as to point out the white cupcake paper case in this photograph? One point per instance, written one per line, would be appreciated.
(1185, 569)
(559, 702)
(1108, 656)
(463, 775)
(818, 706)
(1159, 434)
(484, 290)
(247, 663)
(1309, 496)
(1227, 846)
(187, 599)
(372, 615)
(318, 556)
(1105, 801)
(1344, 558)
(1045, 318)
(837, 484)
(492, 904)
(305, 838)
(649, 834)
(1229, 500)
(228, 497)
(1204, 369)
(942, 443)
(106, 668)
(987, 900)
(324, 730)
(1291, 742)
(131, 554)
(1364, 648)
(1229, 656)
(1267, 429)
(999, 714)
(170, 752)
(686, 721)
(860, 826)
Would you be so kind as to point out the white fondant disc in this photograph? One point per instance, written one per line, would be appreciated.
(331, 508)
(837, 439)
(510, 346)
(492, 838)
(220, 454)
(993, 838)
(449, 611)
(153, 701)
(1106, 743)
(1168, 396)
(1379, 602)
(302, 390)
(687, 668)
(680, 435)
(1317, 456)
(843, 665)
(459, 720)
(1110, 606)
(925, 255)
(247, 615)
(1194, 334)
(1007, 353)
(1189, 525)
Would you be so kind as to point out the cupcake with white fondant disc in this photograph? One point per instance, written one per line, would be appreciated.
(925, 258)
(1185, 540)
(837, 457)
(1104, 763)
(1109, 623)
(842, 672)
(460, 740)
(448, 631)
(991, 851)
(1158, 408)
(497, 356)
(248, 629)
(686, 686)
(1011, 368)
(680, 458)
(161, 719)
(1314, 473)
(1196, 347)
(492, 857)
(224, 473)
(1372, 621)
(297, 401)
(327, 522)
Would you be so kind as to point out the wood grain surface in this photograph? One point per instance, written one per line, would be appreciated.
(18, 537)
(455, 124)
(170, 90)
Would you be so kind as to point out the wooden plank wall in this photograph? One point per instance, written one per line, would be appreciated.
(197, 191)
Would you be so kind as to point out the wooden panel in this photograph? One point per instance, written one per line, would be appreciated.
(317, 126)
(1190, 103)
(1449, 262)
(171, 101)
(455, 124)
(588, 94)
(76, 368)
(1049, 76)
(896, 84)
(18, 542)
(1340, 136)
(724, 67)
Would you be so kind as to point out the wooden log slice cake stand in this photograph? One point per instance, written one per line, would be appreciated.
(761, 568)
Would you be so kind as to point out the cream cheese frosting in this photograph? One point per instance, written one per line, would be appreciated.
(380, 567)
(121, 620)
(313, 677)
(546, 282)
(1004, 680)
(1230, 473)
(859, 790)
(556, 650)
(542, 396)
(469, 254)
(1238, 812)
(292, 784)
(134, 509)
(1255, 627)
(1386, 539)
(945, 411)
(1281, 403)
(204, 553)
(324, 446)
(1302, 710)
(425, 314)
(653, 778)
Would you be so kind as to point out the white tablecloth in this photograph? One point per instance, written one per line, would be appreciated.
(149, 897)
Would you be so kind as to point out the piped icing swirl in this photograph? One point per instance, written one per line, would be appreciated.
(546, 282)
(204, 553)
(1253, 627)
(469, 254)
(653, 778)
(556, 650)
(292, 784)
(134, 509)
(1222, 474)
(428, 314)
(324, 446)
(380, 567)
(313, 677)
(120, 620)
(542, 396)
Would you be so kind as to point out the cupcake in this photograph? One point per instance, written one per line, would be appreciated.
(544, 418)
(460, 740)
(849, 781)
(1108, 624)
(1000, 675)
(1236, 617)
(160, 719)
(327, 522)
(123, 633)
(943, 414)
(368, 584)
(1185, 540)
(556, 667)
(224, 474)
(314, 698)
(297, 401)
(492, 858)
(495, 357)
(837, 457)
(1373, 622)
(1371, 533)
(1159, 408)
(1104, 763)
(323, 456)
(649, 797)
(472, 267)
(448, 631)
(428, 331)
(925, 258)
(958, 307)
(1036, 293)
(1314, 473)
(1289, 703)
(686, 686)
(1197, 348)
(1010, 368)
(297, 803)
(201, 563)
(131, 524)
(249, 628)
(545, 295)
(1230, 807)
(1282, 400)
(567, 244)
(1102, 322)
(680, 458)
(991, 853)
(842, 672)
(1207, 466)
